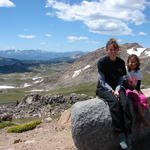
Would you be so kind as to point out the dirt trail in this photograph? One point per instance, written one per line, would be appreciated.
(47, 136)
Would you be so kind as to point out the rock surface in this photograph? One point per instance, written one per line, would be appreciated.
(91, 127)
(45, 106)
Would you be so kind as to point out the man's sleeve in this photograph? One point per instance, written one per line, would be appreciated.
(101, 76)
(120, 80)
(119, 84)
(124, 72)
(105, 85)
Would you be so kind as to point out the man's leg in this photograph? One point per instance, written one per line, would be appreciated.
(112, 100)
(125, 104)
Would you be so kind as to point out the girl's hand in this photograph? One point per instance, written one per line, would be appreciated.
(136, 91)
(132, 81)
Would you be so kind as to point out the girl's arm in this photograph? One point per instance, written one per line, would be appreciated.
(138, 86)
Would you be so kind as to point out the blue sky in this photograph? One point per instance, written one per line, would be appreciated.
(72, 25)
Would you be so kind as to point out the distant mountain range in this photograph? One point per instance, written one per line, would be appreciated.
(20, 60)
(83, 68)
(9, 65)
(37, 54)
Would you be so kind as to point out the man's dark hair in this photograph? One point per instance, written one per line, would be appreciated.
(113, 42)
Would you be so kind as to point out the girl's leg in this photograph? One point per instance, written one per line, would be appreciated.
(140, 103)
(143, 100)
(141, 111)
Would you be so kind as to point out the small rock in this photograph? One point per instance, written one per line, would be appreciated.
(17, 141)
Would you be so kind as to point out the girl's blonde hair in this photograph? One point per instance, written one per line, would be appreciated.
(113, 42)
(137, 59)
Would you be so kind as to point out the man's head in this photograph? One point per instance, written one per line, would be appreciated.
(112, 48)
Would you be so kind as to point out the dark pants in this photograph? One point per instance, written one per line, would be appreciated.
(119, 109)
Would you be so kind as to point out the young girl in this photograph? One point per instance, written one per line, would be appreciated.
(132, 83)
(111, 70)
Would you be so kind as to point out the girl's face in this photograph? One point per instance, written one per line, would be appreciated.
(112, 52)
(132, 63)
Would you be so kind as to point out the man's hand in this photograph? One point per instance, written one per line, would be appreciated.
(116, 93)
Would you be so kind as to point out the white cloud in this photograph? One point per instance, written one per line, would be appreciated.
(102, 16)
(75, 38)
(93, 42)
(142, 33)
(6, 3)
(50, 14)
(43, 43)
(48, 35)
(26, 36)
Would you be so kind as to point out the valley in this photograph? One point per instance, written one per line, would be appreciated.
(64, 75)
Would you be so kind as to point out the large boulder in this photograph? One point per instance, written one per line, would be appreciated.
(92, 130)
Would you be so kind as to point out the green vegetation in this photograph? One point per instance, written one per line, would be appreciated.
(6, 124)
(146, 80)
(18, 79)
(24, 127)
(83, 88)
(11, 95)
(25, 120)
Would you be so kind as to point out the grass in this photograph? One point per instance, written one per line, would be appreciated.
(83, 88)
(146, 79)
(11, 95)
(24, 120)
(6, 124)
(24, 127)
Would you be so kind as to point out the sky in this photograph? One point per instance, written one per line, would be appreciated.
(72, 25)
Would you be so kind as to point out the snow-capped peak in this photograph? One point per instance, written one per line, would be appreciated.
(136, 51)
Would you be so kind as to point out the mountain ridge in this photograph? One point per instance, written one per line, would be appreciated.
(37, 54)
(85, 69)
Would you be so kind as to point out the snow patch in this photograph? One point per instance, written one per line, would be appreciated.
(26, 85)
(6, 87)
(86, 67)
(38, 81)
(37, 90)
(77, 72)
(147, 53)
(136, 51)
(36, 78)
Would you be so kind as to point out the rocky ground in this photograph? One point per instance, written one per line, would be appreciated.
(55, 135)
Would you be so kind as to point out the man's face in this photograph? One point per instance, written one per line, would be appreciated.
(112, 52)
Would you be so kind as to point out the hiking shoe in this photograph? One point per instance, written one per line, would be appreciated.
(129, 141)
(122, 141)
